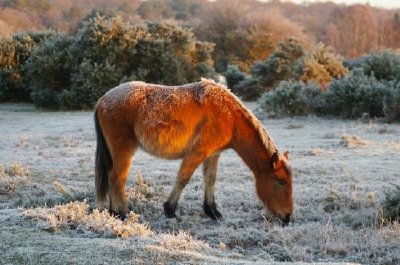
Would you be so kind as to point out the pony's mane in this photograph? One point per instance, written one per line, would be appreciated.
(258, 127)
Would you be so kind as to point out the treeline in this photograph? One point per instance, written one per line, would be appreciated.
(351, 30)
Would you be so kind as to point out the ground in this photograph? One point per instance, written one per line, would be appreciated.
(342, 170)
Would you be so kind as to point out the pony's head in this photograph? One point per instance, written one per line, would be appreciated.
(274, 187)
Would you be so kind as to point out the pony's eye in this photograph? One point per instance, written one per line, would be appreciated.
(280, 183)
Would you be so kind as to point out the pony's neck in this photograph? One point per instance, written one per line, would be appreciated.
(253, 144)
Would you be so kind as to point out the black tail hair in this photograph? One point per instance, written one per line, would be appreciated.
(103, 163)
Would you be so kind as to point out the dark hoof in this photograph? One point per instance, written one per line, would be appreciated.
(169, 210)
(120, 215)
(211, 211)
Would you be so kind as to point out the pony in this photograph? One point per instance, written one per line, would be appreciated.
(193, 122)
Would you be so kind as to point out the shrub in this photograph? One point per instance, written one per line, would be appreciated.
(290, 99)
(73, 72)
(14, 52)
(283, 64)
(234, 76)
(249, 89)
(383, 65)
(391, 105)
(321, 65)
(48, 70)
(356, 94)
(391, 204)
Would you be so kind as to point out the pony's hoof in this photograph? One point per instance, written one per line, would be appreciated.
(118, 215)
(211, 211)
(169, 210)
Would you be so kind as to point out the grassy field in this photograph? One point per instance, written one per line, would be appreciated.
(342, 170)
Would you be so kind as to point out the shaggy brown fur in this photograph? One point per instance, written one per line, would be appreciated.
(193, 122)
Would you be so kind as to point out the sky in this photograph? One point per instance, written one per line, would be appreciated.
(378, 3)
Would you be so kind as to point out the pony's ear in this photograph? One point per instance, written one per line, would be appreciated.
(275, 161)
(286, 155)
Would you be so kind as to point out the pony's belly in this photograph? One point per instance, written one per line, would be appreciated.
(169, 142)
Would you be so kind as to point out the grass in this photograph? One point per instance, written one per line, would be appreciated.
(12, 177)
(391, 204)
(339, 191)
(76, 215)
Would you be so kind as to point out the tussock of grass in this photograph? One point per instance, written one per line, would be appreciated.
(314, 152)
(61, 188)
(141, 190)
(182, 241)
(391, 205)
(11, 177)
(75, 214)
(352, 141)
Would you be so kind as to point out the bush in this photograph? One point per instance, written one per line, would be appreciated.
(321, 65)
(356, 94)
(234, 76)
(49, 70)
(391, 204)
(73, 72)
(383, 65)
(391, 105)
(14, 52)
(249, 89)
(283, 64)
(290, 99)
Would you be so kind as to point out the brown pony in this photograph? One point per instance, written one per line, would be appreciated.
(195, 123)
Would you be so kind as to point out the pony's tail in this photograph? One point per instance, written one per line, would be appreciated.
(103, 163)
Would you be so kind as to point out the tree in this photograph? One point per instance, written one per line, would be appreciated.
(352, 30)
(244, 32)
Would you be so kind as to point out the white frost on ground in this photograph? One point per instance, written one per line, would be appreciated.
(341, 168)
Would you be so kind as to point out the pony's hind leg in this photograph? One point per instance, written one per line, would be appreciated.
(122, 156)
(210, 174)
(189, 164)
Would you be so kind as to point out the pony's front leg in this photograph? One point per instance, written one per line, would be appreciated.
(210, 174)
(189, 164)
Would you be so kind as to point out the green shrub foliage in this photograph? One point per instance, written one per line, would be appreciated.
(383, 65)
(48, 70)
(321, 65)
(291, 98)
(234, 76)
(73, 72)
(372, 86)
(283, 64)
(249, 89)
(356, 94)
(391, 204)
(14, 52)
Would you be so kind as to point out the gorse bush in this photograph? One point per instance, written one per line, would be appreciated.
(234, 75)
(391, 204)
(49, 70)
(291, 98)
(249, 89)
(283, 64)
(73, 72)
(383, 65)
(372, 87)
(356, 94)
(321, 65)
(391, 104)
(14, 52)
